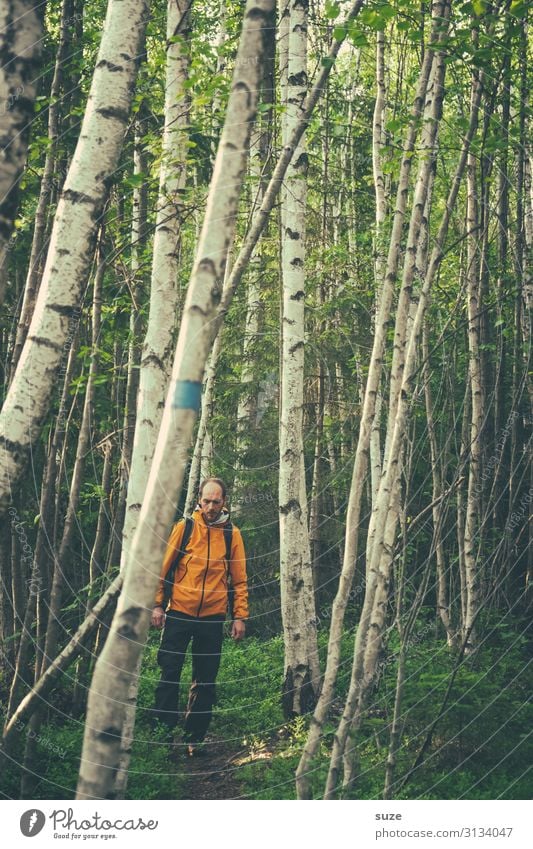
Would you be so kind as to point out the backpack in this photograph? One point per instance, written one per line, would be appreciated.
(168, 581)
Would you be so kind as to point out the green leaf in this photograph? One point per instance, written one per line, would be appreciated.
(518, 8)
(357, 36)
(332, 10)
(136, 180)
(373, 19)
(386, 11)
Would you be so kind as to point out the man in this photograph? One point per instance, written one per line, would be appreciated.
(197, 610)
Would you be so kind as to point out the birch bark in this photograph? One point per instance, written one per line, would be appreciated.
(476, 423)
(367, 419)
(111, 695)
(33, 278)
(138, 240)
(21, 37)
(247, 407)
(73, 237)
(157, 348)
(379, 248)
(443, 603)
(302, 669)
(198, 462)
(365, 655)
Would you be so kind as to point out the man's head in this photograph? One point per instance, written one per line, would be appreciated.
(212, 498)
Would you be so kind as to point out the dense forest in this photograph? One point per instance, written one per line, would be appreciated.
(287, 245)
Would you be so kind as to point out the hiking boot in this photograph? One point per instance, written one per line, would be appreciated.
(195, 750)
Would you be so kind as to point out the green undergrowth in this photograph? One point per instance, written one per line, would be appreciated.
(480, 748)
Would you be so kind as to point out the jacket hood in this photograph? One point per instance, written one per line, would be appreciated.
(223, 519)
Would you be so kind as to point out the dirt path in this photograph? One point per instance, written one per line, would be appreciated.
(213, 776)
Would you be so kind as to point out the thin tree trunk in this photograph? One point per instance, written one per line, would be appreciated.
(461, 505)
(21, 39)
(316, 484)
(138, 241)
(63, 562)
(443, 602)
(196, 472)
(158, 344)
(302, 668)
(366, 423)
(54, 672)
(472, 562)
(73, 236)
(379, 247)
(109, 697)
(96, 570)
(33, 278)
(247, 406)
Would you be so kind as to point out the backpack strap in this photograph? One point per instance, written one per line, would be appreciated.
(168, 581)
(228, 537)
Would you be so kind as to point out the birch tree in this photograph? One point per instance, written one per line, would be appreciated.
(73, 236)
(376, 592)
(157, 348)
(204, 310)
(34, 275)
(472, 517)
(302, 670)
(21, 32)
(109, 699)
(381, 215)
(366, 423)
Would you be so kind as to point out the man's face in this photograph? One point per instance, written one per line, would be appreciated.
(211, 502)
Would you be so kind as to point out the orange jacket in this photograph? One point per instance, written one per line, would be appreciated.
(201, 581)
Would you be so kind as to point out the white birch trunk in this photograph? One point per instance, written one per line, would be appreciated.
(379, 249)
(461, 508)
(247, 405)
(476, 423)
(367, 419)
(443, 604)
(138, 240)
(21, 38)
(157, 348)
(114, 682)
(158, 344)
(33, 277)
(377, 162)
(302, 670)
(73, 236)
(197, 471)
(46, 682)
(365, 652)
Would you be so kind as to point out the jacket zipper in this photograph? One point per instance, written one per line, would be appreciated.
(205, 573)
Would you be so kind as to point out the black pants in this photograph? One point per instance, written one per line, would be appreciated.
(206, 634)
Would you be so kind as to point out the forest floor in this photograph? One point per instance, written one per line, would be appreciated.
(215, 775)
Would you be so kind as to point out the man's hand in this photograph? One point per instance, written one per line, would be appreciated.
(158, 617)
(238, 629)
